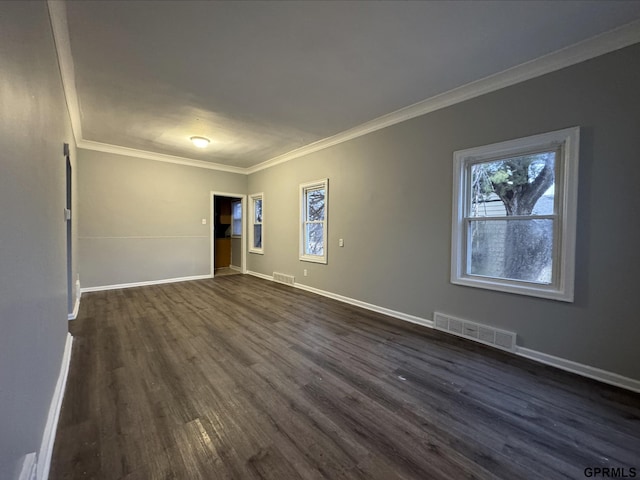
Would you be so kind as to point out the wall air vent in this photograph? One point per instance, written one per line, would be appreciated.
(283, 278)
(475, 331)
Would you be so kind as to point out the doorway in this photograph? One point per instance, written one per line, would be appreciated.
(228, 233)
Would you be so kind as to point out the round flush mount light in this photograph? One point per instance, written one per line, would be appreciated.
(200, 142)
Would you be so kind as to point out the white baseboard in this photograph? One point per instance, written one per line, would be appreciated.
(260, 275)
(588, 371)
(29, 466)
(368, 306)
(580, 369)
(49, 436)
(352, 301)
(237, 269)
(144, 284)
(73, 315)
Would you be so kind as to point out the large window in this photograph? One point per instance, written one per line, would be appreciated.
(514, 215)
(256, 232)
(313, 221)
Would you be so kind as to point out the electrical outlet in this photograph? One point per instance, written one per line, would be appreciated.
(305, 272)
(204, 221)
(341, 242)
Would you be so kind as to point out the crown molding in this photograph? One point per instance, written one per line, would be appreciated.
(62, 42)
(593, 47)
(160, 157)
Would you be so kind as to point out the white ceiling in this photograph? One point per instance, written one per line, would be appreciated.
(263, 78)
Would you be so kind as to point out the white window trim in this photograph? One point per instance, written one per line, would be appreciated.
(562, 286)
(252, 221)
(323, 183)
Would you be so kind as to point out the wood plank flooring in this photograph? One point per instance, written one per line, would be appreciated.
(240, 378)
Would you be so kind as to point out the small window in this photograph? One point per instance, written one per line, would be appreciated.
(256, 233)
(236, 218)
(313, 221)
(514, 215)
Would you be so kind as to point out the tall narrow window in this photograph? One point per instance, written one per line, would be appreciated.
(514, 210)
(236, 218)
(256, 232)
(314, 204)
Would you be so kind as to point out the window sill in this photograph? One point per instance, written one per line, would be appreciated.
(532, 290)
(312, 259)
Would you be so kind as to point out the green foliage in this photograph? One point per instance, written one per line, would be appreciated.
(504, 177)
(517, 181)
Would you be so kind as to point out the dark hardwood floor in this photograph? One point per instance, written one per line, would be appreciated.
(240, 378)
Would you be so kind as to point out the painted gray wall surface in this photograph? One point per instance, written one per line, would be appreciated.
(236, 252)
(391, 197)
(34, 124)
(141, 220)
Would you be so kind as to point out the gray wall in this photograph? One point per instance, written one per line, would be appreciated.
(390, 199)
(34, 124)
(141, 220)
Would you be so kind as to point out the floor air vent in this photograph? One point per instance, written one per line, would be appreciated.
(475, 331)
(283, 278)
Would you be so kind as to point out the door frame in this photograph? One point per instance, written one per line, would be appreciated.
(69, 228)
(243, 200)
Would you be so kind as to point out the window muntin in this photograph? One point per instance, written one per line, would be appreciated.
(507, 237)
(313, 235)
(236, 218)
(514, 215)
(256, 232)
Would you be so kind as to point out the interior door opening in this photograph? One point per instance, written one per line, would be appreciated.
(228, 235)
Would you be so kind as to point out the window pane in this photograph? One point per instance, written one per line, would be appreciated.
(257, 236)
(237, 210)
(522, 185)
(545, 204)
(314, 239)
(315, 204)
(257, 208)
(236, 213)
(515, 249)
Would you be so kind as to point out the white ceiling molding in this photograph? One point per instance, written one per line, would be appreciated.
(160, 157)
(599, 45)
(58, 18)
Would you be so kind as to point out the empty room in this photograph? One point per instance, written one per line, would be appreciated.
(319, 239)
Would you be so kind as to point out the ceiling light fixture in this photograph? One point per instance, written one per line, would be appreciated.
(200, 142)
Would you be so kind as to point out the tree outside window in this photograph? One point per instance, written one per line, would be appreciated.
(513, 239)
(313, 243)
(256, 233)
(515, 213)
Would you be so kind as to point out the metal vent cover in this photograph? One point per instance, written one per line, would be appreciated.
(478, 332)
(283, 278)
